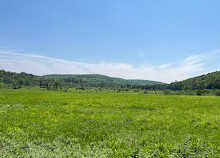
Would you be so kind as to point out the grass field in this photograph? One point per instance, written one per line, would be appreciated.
(40, 123)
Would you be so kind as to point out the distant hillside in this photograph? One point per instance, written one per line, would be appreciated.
(208, 81)
(95, 80)
(18, 80)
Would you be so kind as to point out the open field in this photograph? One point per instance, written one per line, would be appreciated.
(40, 123)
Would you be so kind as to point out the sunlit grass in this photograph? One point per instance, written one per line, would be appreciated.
(77, 123)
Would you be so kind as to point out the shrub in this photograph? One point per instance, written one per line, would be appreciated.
(199, 92)
(146, 92)
(167, 92)
(217, 93)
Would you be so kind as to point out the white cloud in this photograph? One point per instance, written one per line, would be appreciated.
(165, 66)
(42, 65)
(199, 59)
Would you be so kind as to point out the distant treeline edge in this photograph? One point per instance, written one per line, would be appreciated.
(18, 80)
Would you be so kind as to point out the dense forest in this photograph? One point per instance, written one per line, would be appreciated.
(208, 81)
(18, 80)
(96, 80)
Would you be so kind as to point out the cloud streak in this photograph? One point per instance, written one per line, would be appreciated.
(41, 65)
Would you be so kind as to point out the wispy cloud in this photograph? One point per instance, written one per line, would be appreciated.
(13, 60)
(164, 66)
(202, 58)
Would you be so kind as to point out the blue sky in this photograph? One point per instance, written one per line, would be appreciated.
(142, 39)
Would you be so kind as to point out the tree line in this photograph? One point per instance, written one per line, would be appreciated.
(18, 80)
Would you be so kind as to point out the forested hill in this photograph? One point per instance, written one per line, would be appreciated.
(208, 81)
(18, 80)
(96, 80)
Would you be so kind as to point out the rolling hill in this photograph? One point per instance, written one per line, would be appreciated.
(18, 80)
(96, 80)
(208, 81)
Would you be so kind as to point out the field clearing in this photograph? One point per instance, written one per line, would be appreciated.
(40, 123)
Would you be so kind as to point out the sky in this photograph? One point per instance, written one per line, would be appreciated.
(133, 39)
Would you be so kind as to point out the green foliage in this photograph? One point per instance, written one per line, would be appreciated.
(1, 78)
(199, 92)
(91, 123)
(95, 80)
(167, 92)
(217, 92)
(53, 82)
(209, 81)
(19, 80)
(205, 83)
(146, 92)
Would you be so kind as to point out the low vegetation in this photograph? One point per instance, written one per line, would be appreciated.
(100, 116)
(90, 123)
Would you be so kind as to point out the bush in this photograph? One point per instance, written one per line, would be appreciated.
(199, 92)
(167, 92)
(206, 91)
(217, 93)
(146, 92)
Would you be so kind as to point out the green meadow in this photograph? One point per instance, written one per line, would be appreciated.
(89, 123)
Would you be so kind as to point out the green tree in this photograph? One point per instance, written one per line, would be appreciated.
(217, 92)
(56, 84)
(1, 77)
(199, 92)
